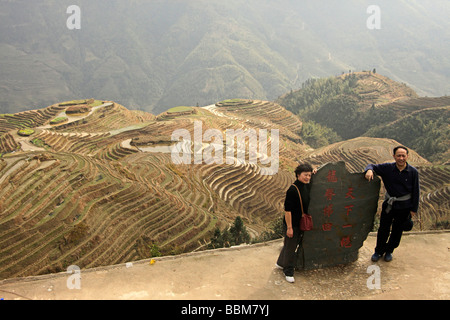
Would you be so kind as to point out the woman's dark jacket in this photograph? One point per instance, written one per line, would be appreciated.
(292, 201)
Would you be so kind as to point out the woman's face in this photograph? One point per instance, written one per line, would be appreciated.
(304, 177)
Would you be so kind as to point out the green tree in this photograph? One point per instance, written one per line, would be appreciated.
(239, 232)
(216, 240)
(234, 235)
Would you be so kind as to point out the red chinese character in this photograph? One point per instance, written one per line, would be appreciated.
(329, 194)
(346, 242)
(327, 226)
(349, 194)
(328, 210)
(347, 226)
(349, 208)
(331, 177)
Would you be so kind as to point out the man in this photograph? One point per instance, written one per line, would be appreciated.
(293, 214)
(401, 182)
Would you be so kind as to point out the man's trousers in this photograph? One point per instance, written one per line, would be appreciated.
(387, 239)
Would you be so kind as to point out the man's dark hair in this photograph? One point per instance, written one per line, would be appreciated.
(401, 147)
(304, 167)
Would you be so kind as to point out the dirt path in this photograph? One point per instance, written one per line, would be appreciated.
(420, 270)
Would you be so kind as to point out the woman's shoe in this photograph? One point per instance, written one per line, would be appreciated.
(290, 279)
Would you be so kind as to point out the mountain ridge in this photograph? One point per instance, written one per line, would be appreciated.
(155, 55)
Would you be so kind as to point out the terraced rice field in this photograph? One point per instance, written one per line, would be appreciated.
(435, 196)
(93, 199)
(82, 193)
(77, 209)
(377, 89)
(264, 114)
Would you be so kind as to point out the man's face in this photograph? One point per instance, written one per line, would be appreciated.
(400, 157)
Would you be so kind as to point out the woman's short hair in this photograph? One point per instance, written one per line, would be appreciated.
(304, 167)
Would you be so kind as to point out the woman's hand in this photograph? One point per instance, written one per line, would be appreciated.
(290, 232)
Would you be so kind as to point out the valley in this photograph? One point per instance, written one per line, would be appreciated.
(93, 192)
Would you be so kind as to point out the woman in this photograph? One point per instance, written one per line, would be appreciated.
(293, 214)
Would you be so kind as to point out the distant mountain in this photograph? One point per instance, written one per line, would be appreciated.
(154, 55)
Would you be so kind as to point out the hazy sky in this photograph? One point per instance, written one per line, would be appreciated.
(157, 54)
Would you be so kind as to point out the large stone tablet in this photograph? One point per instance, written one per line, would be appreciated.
(343, 206)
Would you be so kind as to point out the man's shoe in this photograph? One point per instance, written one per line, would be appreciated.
(290, 279)
(278, 266)
(388, 257)
(376, 257)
